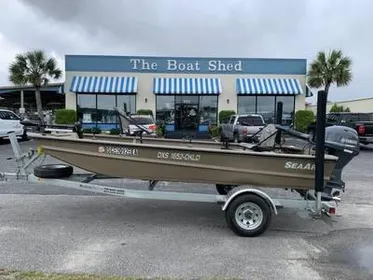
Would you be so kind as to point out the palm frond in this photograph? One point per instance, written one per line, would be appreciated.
(328, 68)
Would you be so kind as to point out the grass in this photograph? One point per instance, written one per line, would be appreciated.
(35, 275)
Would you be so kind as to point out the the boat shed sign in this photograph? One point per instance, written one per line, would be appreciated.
(187, 65)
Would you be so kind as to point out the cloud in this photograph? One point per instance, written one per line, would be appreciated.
(235, 28)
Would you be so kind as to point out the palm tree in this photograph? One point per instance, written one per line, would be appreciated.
(35, 68)
(328, 69)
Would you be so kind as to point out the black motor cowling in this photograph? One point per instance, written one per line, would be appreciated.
(342, 142)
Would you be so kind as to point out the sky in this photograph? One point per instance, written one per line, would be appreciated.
(214, 28)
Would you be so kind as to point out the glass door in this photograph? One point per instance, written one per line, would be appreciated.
(186, 113)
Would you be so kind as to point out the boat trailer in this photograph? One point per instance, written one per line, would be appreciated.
(248, 210)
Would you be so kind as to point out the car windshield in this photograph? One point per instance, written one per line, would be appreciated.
(5, 115)
(250, 120)
(143, 120)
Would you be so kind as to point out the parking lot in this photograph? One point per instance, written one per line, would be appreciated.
(61, 230)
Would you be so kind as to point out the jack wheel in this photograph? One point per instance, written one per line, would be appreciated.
(248, 215)
(53, 171)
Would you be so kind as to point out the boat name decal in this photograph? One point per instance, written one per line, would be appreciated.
(121, 151)
(297, 165)
(178, 156)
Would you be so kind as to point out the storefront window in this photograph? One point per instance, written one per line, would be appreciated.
(246, 104)
(287, 108)
(127, 100)
(165, 109)
(87, 107)
(266, 108)
(105, 109)
(208, 109)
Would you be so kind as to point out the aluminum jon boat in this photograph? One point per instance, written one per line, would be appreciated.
(263, 164)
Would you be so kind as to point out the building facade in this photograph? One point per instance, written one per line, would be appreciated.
(182, 92)
(361, 105)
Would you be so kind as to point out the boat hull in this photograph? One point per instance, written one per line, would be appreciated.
(186, 164)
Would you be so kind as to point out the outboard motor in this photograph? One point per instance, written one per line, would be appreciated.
(342, 142)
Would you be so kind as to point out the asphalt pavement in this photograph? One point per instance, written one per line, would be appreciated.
(55, 229)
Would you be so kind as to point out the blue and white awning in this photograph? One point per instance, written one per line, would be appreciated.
(101, 84)
(187, 86)
(269, 86)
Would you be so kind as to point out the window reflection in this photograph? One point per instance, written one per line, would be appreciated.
(127, 103)
(266, 108)
(165, 111)
(246, 104)
(208, 109)
(87, 107)
(105, 109)
(287, 108)
(99, 109)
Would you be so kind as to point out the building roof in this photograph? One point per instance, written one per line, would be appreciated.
(58, 87)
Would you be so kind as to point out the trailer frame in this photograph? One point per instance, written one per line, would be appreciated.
(248, 210)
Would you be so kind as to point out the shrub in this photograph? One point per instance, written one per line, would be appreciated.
(225, 114)
(303, 118)
(160, 130)
(339, 108)
(95, 130)
(214, 130)
(115, 131)
(65, 116)
(144, 112)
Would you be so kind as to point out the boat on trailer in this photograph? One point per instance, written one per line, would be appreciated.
(236, 169)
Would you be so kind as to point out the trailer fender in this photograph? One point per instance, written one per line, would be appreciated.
(239, 191)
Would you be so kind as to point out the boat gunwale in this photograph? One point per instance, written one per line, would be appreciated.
(219, 151)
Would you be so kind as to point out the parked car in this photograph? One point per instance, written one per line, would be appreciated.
(361, 122)
(146, 121)
(241, 128)
(9, 121)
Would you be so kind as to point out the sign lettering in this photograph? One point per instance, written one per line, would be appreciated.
(297, 165)
(193, 66)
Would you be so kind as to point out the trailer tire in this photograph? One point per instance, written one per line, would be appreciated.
(53, 171)
(245, 208)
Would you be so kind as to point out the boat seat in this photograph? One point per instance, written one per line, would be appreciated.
(266, 138)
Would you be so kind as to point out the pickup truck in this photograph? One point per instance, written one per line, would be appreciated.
(361, 122)
(241, 128)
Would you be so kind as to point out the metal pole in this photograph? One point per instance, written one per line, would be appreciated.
(22, 109)
(279, 121)
(320, 148)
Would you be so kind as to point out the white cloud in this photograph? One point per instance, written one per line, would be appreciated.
(288, 28)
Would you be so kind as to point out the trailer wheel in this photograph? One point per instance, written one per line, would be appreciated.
(53, 171)
(248, 215)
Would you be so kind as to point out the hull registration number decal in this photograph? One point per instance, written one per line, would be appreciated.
(120, 151)
(179, 156)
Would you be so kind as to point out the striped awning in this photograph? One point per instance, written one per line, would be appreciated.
(101, 84)
(268, 86)
(187, 86)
